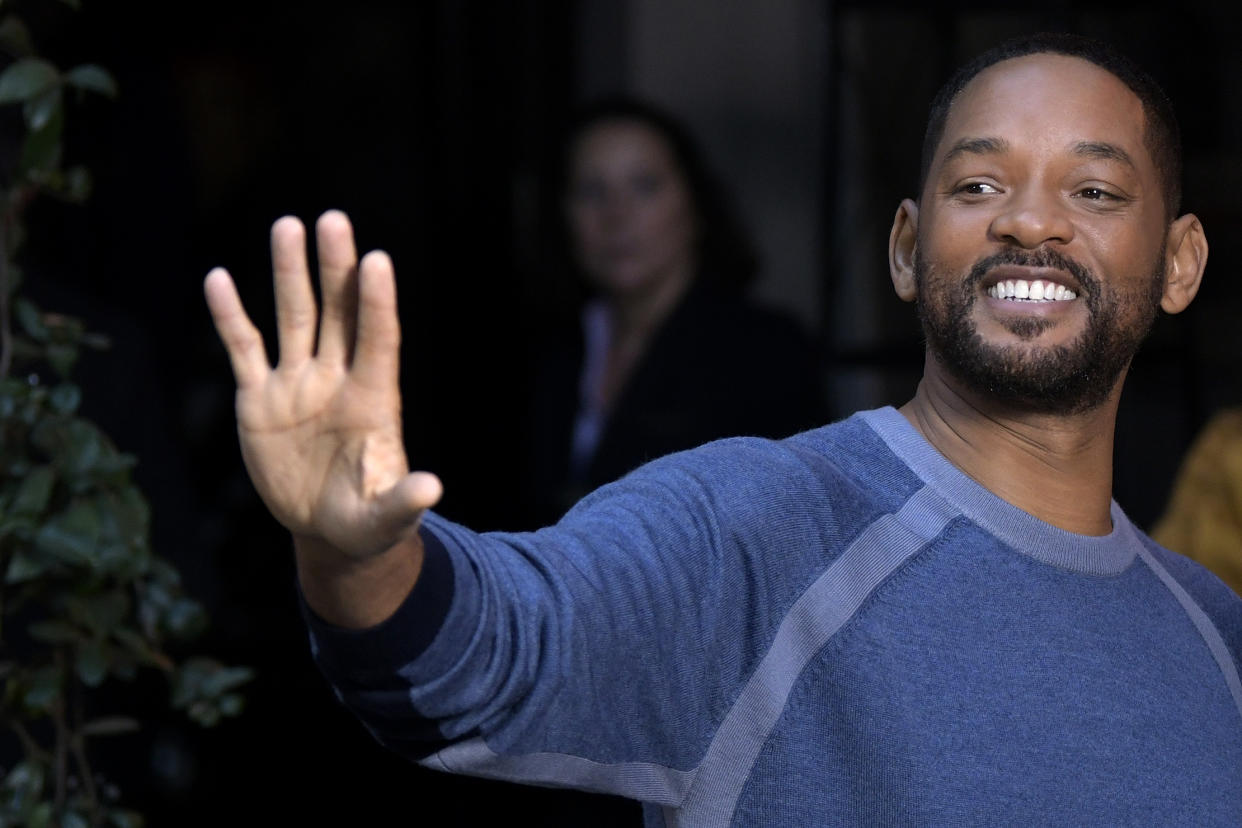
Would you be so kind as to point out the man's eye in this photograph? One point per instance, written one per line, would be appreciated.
(1101, 194)
(977, 188)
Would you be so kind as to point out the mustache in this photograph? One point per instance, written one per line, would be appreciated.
(1040, 257)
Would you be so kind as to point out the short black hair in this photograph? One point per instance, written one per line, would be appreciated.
(726, 254)
(1161, 132)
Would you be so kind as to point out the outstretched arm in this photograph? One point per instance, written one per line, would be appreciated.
(321, 432)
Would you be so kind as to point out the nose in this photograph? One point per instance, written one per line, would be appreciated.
(1032, 219)
(616, 206)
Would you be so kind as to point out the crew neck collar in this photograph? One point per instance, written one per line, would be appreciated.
(1089, 554)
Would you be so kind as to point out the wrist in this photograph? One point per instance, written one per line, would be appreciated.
(356, 593)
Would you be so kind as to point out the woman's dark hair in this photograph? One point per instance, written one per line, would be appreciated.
(726, 256)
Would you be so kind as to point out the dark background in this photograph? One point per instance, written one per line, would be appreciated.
(434, 125)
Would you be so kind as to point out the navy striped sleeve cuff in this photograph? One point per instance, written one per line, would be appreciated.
(400, 639)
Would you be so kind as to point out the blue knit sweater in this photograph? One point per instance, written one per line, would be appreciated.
(835, 629)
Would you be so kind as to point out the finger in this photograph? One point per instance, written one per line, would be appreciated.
(338, 280)
(295, 300)
(241, 338)
(400, 507)
(377, 353)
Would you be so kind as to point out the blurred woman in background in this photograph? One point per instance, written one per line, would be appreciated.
(667, 352)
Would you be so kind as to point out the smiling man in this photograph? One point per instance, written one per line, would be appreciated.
(1042, 245)
(925, 616)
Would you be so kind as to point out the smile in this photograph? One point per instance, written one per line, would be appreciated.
(1038, 290)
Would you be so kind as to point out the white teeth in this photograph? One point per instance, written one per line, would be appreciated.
(1036, 291)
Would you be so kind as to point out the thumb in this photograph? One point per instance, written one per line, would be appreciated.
(402, 506)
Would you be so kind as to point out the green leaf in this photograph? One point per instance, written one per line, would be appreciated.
(35, 491)
(110, 726)
(204, 714)
(40, 816)
(118, 560)
(231, 704)
(65, 398)
(73, 819)
(15, 37)
(24, 567)
(71, 536)
(139, 646)
(32, 411)
(21, 528)
(102, 613)
(126, 514)
(186, 681)
(125, 819)
(31, 320)
(86, 445)
(185, 618)
(77, 184)
(92, 77)
(27, 78)
(92, 663)
(200, 686)
(41, 109)
(226, 678)
(164, 573)
(73, 4)
(44, 689)
(41, 151)
(8, 400)
(24, 783)
(53, 632)
(62, 358)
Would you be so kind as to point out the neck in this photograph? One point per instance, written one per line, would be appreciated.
(633, 318)
(635, 314)
(1056, 467)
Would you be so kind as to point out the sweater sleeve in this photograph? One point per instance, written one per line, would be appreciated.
(602, 652)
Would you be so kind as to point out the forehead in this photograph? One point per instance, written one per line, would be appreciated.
(620, 141)
(1048, 101)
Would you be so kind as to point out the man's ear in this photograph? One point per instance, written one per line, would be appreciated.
(1186, 252)
(902, 244)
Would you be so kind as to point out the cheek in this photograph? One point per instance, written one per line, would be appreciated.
(1128, 261)
(584, 227)
(950, 242)
(669, 222)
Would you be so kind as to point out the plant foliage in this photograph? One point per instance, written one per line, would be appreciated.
(83, 599)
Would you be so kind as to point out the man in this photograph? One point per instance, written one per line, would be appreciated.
(920, 616)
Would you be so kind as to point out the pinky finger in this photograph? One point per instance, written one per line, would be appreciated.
(241, 338)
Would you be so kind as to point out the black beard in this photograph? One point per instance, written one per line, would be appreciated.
(1062, 379)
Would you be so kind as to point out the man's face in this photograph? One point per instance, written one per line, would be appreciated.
(1039, 264)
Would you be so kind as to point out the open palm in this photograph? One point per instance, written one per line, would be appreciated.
(321, 432)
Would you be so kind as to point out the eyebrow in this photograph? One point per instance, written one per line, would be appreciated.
(977, 146)
(994, 146)
(1104, 151)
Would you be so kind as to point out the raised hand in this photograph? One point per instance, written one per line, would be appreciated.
(321, 432)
